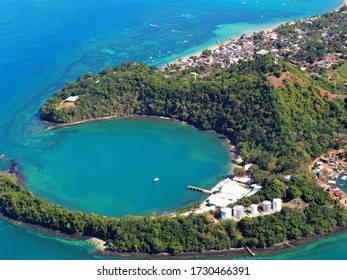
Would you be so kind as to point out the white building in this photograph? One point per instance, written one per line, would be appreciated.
(216, 200)
(205, 209)
(243, 180)
(287, 177)
(239, 211)
(256, 187)
(226, 213)
(254, 209)
(277, 204)
(262, 52)
(72, 99)
(267, 206)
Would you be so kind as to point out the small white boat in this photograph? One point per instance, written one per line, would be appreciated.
(2, 156)
(155, 179)
(344, 178)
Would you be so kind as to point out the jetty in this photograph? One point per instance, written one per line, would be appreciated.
(289, 245)
(249, 251)
(199, 189)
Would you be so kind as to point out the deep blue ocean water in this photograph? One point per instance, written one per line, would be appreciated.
(46, 43)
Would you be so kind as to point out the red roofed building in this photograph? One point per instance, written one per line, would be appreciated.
(334, 189)
(338, 193)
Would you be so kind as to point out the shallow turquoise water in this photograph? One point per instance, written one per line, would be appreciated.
(22, 244)
(107, 167)
(324, 248)
(44, 44)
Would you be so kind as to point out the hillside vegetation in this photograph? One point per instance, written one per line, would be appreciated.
(277, 128)
(195, 233)
(277, 116)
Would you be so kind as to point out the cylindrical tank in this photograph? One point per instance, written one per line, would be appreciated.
(267, 206)
(277, 204)
(225, 213)
(254, 209)
(239, 211)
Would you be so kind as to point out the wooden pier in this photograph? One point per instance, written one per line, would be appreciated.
(199, 190)
(249, 251)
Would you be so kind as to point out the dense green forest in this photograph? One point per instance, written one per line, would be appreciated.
(277, 127)
(195, 233)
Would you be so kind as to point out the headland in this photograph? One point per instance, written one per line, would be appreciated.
(253, 137)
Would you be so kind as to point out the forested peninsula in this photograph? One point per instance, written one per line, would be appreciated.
(272, 111)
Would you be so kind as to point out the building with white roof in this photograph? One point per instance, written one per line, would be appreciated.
(243, 180)
(72, 99)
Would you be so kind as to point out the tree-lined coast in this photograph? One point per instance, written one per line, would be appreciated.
(279, 127)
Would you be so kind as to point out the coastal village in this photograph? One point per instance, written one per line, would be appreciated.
(329, 170)
(291, 42)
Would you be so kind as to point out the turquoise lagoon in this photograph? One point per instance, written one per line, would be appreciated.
(108, 167)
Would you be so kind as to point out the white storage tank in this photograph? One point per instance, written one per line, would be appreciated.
(277, 204)
(254, 209)
(239, 211)
(225, 213)
(267, 206)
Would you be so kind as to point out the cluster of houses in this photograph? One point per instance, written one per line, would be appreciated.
(330, 169)
(248, 47)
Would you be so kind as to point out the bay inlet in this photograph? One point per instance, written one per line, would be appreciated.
(40, 55)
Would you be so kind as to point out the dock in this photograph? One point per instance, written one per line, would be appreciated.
(249, 251)
(289, 245)
(199, 189)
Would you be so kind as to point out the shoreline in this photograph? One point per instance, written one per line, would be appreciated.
(235, 157)
(285, 246)
(102, 250)
(100, 243)
(220, 44)
(53, 126)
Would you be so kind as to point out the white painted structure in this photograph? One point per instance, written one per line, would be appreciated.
(247, 166)
(277, 204)
(256, 187)
(254, 209)
(205, 209)
(243, 180)
(287, 177)
(225, 213)
(234, 189)
(72, 99)
(239, 211)
(225, 193)
(267, 206)
(332, 182)
(262, 52)
(218, 201)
